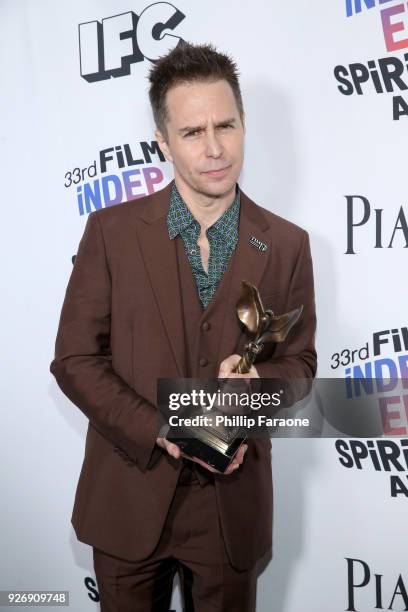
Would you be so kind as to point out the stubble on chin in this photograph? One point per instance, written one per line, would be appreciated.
(215, 191)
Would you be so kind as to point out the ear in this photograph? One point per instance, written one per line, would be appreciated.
(163, 145)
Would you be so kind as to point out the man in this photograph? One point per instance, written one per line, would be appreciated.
(153, 294)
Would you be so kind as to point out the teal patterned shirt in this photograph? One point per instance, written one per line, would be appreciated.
(222, 237)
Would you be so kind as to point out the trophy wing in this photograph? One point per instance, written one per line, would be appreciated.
(249, 307)
(279, 326)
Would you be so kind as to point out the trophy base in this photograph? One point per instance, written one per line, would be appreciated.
(217, 451)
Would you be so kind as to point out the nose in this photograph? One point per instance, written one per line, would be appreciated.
(213, 147)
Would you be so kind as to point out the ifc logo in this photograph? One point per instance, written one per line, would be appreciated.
(108, 48)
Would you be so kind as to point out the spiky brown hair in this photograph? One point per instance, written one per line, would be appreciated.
(187, 63)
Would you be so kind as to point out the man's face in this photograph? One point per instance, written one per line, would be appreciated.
(205, 137)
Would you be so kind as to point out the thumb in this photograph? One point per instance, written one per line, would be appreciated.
(228, 365)
(173, 450)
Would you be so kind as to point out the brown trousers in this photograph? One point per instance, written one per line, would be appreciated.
(191, 545)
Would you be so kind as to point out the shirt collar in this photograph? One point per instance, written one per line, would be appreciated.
(179, 217)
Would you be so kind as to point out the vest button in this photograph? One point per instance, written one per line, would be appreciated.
(206, 326)
(203, 362)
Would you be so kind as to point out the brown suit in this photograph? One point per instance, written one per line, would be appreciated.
(122, 327)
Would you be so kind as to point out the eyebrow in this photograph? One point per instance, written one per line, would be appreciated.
(201, 127)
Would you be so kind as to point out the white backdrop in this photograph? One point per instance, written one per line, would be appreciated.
(308, 147)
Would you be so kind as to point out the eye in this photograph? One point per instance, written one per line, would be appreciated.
(226, 125)
(192, 133)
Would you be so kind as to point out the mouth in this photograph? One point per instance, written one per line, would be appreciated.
(221, 172)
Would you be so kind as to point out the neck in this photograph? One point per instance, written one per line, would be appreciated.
(206, 209)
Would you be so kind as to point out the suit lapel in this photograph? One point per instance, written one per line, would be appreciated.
(160, 258)
(249, 263)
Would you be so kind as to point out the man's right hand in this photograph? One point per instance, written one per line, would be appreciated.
(175, 451)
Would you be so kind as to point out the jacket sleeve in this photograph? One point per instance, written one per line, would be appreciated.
(82, 364)
(296, 356)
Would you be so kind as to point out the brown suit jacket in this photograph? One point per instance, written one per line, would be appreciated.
(120, 330)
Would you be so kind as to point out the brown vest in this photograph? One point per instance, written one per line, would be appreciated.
(202, 326)
(202, 333)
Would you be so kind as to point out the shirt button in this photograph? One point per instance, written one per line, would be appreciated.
(203, 362)
(206, 326)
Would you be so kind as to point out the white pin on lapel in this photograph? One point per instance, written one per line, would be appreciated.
(258, 243)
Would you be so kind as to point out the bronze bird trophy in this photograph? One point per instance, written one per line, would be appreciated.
(217, 445)
(263, 323)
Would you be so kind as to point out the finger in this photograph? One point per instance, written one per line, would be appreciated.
(239, 457)
(208, 467)
(188, 457)
(234, 465)
(199, 461)
(173, 449)
(243, 448)
(244, 378)
(231, 468)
